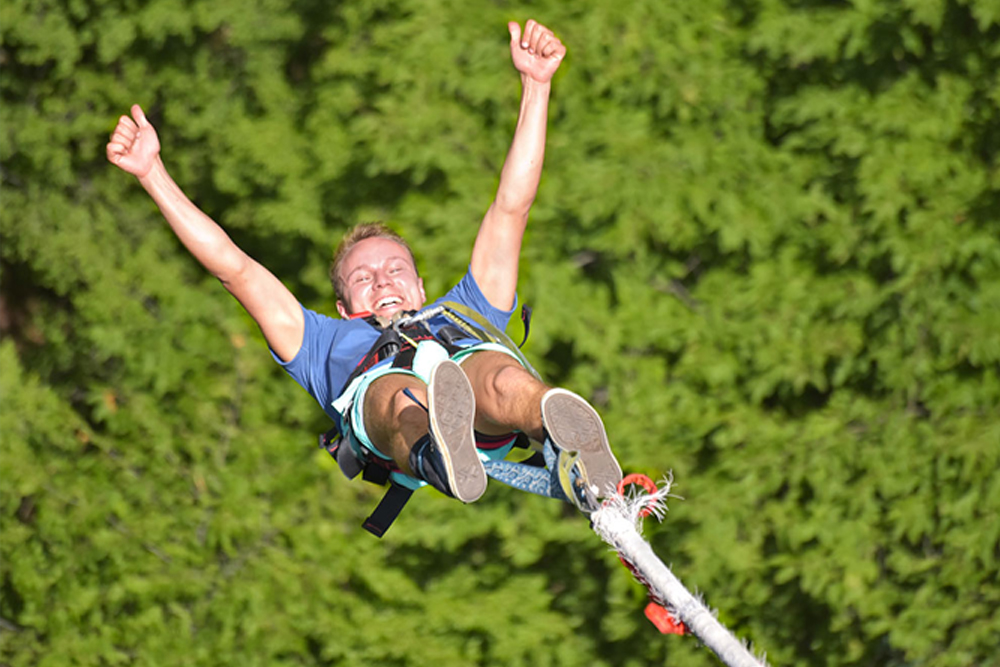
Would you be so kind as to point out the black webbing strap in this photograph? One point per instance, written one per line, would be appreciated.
(526, 319)
(536, 460)
(388, 509)
(376, 471)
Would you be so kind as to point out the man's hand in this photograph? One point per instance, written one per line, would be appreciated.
(134, 145)
(537, 53)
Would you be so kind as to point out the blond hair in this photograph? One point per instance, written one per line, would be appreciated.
(357, 234)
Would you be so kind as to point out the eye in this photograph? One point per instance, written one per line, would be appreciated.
(362, 278)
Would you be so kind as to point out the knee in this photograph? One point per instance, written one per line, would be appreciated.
(407, 399)
(387, 400)
(513, 380)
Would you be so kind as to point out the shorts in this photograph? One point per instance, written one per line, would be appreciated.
(351, 403)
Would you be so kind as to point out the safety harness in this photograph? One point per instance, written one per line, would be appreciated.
(398, 340)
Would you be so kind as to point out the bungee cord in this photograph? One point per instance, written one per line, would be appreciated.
(672, 608)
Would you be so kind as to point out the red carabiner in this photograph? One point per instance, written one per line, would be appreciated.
(640, 480)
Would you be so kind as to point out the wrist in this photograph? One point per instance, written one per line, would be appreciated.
(534, 91)
(529, 83)
(155, 173)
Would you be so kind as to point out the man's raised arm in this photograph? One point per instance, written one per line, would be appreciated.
(135, 148)
(537, 54)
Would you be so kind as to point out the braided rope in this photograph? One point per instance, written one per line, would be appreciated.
(618, 522)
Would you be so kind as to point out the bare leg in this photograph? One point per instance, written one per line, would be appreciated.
(393, 421)
(433, 439)
(508, 397)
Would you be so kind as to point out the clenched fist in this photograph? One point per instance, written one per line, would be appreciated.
(537, 53)
(134, 145)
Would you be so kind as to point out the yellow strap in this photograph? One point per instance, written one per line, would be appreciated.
(573, 488)
(493, 334)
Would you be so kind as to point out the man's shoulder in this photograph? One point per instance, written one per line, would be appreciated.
(467, 293)
(334, 330)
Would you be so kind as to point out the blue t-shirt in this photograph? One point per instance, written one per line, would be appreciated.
(333, 348)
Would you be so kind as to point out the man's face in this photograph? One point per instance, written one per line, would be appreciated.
(379, 277)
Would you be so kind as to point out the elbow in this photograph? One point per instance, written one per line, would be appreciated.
(232, 267)
(514, 206)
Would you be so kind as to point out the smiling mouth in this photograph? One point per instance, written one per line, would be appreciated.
(388, 302)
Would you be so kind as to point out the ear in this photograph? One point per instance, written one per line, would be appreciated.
(342, 309)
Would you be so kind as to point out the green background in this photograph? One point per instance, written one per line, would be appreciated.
(766, 246)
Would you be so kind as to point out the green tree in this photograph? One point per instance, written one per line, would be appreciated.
(766, 246)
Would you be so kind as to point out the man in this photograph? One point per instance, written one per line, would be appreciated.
(422, 418)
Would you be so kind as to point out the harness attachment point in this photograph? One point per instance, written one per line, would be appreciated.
(575, 483)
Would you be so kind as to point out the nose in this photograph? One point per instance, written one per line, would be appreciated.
(381, 279)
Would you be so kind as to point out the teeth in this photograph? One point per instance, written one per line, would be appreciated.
(388, 301)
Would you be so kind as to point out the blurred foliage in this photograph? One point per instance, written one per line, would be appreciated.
(767, 246)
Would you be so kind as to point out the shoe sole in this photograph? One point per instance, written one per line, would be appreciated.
(451, 405)
(574, 426)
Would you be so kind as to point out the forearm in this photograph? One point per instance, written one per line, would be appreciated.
(201, 235)
(522, 169)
